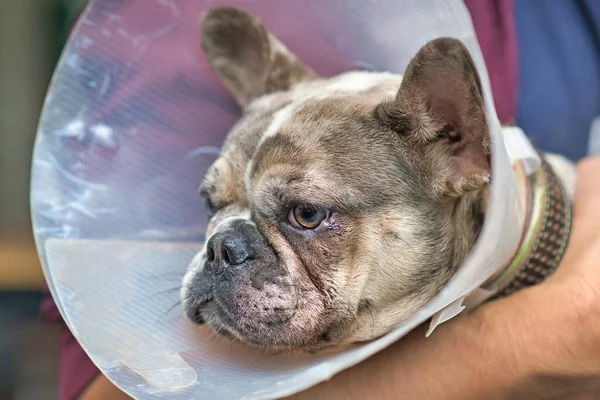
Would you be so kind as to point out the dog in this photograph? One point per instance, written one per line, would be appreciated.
(338, 206)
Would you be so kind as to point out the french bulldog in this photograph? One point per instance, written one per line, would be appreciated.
(339, 206)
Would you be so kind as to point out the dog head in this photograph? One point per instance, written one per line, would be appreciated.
(339, 206)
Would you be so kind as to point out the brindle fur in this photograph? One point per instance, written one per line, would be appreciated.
(403, 165)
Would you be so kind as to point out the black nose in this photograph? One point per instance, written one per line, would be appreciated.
(227, 249)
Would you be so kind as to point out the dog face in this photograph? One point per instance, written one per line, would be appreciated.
(339, 206)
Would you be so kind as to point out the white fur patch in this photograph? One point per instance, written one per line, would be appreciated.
(349, 82)
(352, 82)
(279, 118)
(357, 81)
(226, 222)
(301, 93)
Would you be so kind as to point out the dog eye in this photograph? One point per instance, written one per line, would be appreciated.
(307, 216)
(211, 210)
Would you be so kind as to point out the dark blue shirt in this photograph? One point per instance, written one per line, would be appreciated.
(559, 72)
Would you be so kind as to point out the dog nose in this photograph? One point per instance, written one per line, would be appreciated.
(227, 249)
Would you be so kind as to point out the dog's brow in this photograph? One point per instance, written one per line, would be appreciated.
(206, 187)
(202, 192)
(297, 190)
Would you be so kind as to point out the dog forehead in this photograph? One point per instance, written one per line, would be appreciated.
(309, 127)
(311, 134)
(332, 152)
(265, 116)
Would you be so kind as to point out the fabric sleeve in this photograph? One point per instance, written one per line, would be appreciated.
(75, 369)
(494, 25)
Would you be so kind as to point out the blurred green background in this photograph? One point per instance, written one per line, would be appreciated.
(32, 34)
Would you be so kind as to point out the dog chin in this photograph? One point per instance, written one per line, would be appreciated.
(281, 337)
(301, 332)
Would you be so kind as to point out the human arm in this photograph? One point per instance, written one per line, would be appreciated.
(542, 342)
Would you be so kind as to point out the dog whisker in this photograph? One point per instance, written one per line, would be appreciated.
(170, 290)
(168, 311)
(260, 355)
(173, 274)
(177, 304)
(408, 244)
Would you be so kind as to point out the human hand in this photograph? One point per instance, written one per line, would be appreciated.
(562, 316)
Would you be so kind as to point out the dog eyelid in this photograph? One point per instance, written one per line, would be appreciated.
(210, 205)
(202, 192)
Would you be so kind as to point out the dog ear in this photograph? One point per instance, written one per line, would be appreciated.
(439, 108)
(247, 58)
